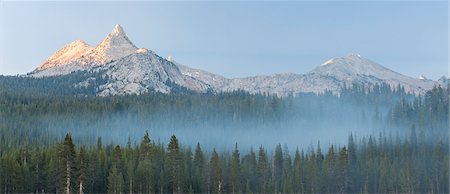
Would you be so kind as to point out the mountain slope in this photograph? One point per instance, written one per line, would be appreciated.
(332, 75)
(354, 68)
(141, 72)
(127, 69)
(66, 55)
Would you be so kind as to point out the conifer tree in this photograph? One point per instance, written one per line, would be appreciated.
(67, 164)
(199, 167)
(297, 180)
(277, 170)
(115, 181)
(343, 171)
(83, 170)
(263, 171)
(216, 173)
(187, 171)
(235, 168)
(145, 148)
(144, 170)
(249, 171)
(175, 168)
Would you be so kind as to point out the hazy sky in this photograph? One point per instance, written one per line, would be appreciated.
(237, 38)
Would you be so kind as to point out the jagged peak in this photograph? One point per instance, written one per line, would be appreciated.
(114, 46)
(117, 30)
(117, 37)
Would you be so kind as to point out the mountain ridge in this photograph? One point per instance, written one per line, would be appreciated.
(133, 70)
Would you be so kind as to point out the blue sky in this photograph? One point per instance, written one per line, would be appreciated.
(237, 39)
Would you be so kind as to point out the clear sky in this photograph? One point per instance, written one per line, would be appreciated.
(237, 39)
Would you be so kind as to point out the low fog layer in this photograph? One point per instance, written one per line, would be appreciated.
(219, 121)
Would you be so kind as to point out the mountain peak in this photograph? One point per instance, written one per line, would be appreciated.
(117, 30)
(116, 45)
(352, 58)
(352, 65)
(117, 37)
(67, 54)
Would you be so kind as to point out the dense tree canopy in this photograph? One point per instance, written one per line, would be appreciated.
(377, 166)
(52, 140)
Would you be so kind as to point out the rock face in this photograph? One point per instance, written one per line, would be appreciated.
(141, 72)
(128, 69)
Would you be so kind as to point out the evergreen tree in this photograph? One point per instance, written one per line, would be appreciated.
(277, 170)
(199, 165)
(216, 173)
(83, 170)
(115, 181)
(188, 181)
(343, 176)
(298, 173)
(249, 171)
(145, 148)
(144, 170)
(39, 171)
(263, 171)
(235, 169)
(67, 165)
(175, 165)
(352, 164)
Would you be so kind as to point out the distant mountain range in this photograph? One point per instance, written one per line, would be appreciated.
(128, 69)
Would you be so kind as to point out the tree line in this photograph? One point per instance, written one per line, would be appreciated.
(365, 165)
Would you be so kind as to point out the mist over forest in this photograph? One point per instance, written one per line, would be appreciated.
(369, 139)
(216, 120)
(255, 98)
